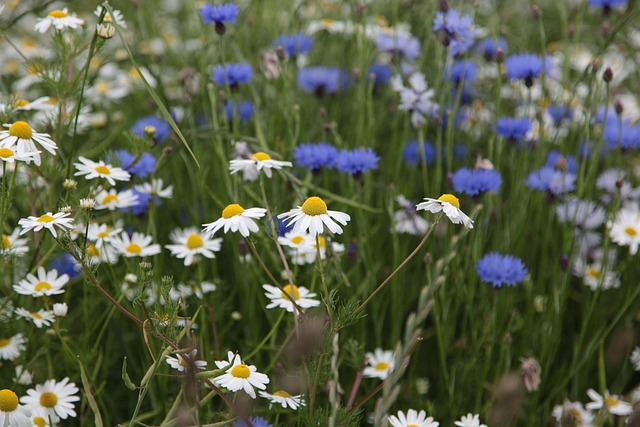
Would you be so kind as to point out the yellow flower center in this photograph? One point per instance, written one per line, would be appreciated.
(46, 218)
(20, 103)
(260, 156)
(593, 272)
(93, 251)
(5, 153)
(232, 210)
(612, 402)
(241, 371)
(577, 416)
(134, 248)
(451, 199)
(42, 285)
(282, 393)
(102, 87)
(109, 198)
(21, 130)
(631, 231)
(327, 22)
(322, 242)
(8, 400)
(182, 362)
(103, 234)
(36, 315)
(314, 206)
(39, 421)
(4, 342)
(103, 170)
(48, 399)
(292, 291)
(412, 425)
(194, 241)
(297, 240)
(6, 243)
(381, 366)
(58, 14)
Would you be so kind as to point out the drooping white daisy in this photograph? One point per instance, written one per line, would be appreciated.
(450, 205)
(284, 399)
(117, 16)
(413, 418)
(185, 291)
(60, 309)
(23, 376)
(625, 229)
(113, 199)
(573, 414)
(610, 402)
(259, 161)
(11, 412)
(181, 364)
(102, 234)
(236, 218)
(91, 170)
(13, 245)
(313, 216)
(138, 245)
(379, 364)
(49, 221)
(240, 376)
(56, 398)
(10, 154)
(59, 19)
(156, 188)
(469, 420)
(188, 243)
(39, 318)
(10, 348)
(24, 137)
(46, 283)
(302, 296)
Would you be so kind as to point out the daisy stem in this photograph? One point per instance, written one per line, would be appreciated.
(6, 198)
(399, 267)
(328, 302)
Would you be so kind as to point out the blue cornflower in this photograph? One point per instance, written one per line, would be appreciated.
(142, 168)
(559, 161)
(551, 180)
(321, 80)
(256, 421)
(462, 70)
(476, 181)
(559, 113)
(621, 134)
(294, 44)
(456, 31)
(219, 15)
(244, 110)
(66, 264)
(162, 127)
(381, 74)
(315, 155)
(607, 4)
(143, 203)
(489, 47)
(234, 74)
(412, 156)
(499, 269)
(357, 161)
(401, 44)
(513, 128)
(526, 66)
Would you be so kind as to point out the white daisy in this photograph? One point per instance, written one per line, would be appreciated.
(40, 318)
(10, 154)
(46, 283)
(60, 19)
(380, 363)
(10, 348)
(573, 414)
(407, 220)
(450, 205)
(635, 358)
(155, 188)
(23, 376)
(22, 135)
(258, 161)
(113, 200)
(11, 412)
(60, 309)
(302, 296)
(12, 245)
(301, 247)
(181, 364)
(284, 399)
(416, 99)
(40, 418)
(117, 16)
(56, 398)
(185, 291)
(104, 254)
(313, 216)
(412, 419)
(470, 420)
(625, 229)
(612, 404)
(189, 243)
(102, 234)
(239, 376)
(236, 218)
(138, 245)
(42, 103)
(92, 170)
(594, 275)
(49, 221)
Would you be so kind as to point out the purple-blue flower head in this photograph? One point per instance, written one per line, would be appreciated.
(499, 269)
(476, 181)
(607, 4)
(551, 180)
(219, 15)
(559, 113)
(462, 71)
(234, 74)
(321, 80)
(244, 110)
(256, 421)
(489, 47)
(557, 160)
(402, 45)
(526, 66)
(142, 168)
(621, 134)
(295, 44)
(512, 128)
(141, 207)
(412, 156)
(315, 155)
(381, 74)
(162, 127)
(357, 161)
(66, 264)
(456, 31)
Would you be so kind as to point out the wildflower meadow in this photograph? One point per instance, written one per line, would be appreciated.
(398, 213)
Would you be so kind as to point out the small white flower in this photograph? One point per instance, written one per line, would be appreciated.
(87, 204)
(155, 188)
(284, 399)
(259, 161)
(380, 364)
(40, 318)
(625, 229)
(10, 154)
(102, 234)
(450, 205)
(49, 221)
(236, 218)
(635, 358)
(46, 283)
(117, 16)
(24, 137)
(470, 420)
(60, 19)
(407, 220)
(185, 291)
(189, 243)
(138, 245)
(113, 200)
(314, 216)
(41, 418)
(56, 398)
(10, 348)
(302, 296)
(181, 364)
(611, 403)
(574, 414)
(412, 418)
(13, 245)
(60, 309)
(417, 98)
(239, 376)
(92, 170)
(23, 376)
